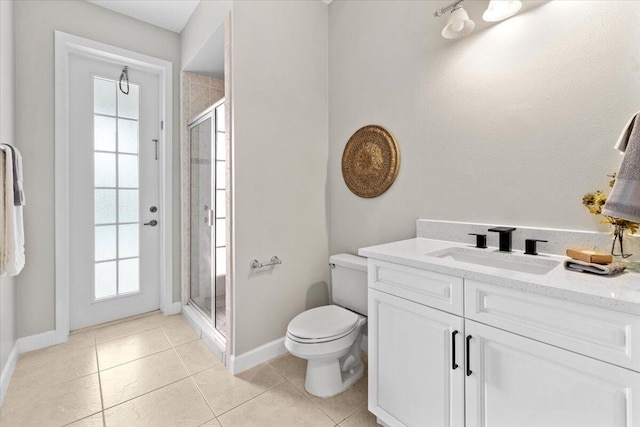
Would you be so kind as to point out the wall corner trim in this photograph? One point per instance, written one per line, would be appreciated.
(7, 372)
(258, 355)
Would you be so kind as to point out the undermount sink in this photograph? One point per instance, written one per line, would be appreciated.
(490, 258)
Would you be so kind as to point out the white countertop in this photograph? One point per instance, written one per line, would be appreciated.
(619, 293)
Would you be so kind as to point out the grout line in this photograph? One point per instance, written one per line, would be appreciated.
(100, 385)
(203, 398)
(83, 418)
(145, 393)
(254, 397)
(128, 335)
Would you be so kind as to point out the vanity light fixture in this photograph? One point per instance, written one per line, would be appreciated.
(499, 10)
(459, 24)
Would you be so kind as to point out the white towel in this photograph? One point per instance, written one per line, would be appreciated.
(12, 251)
(623, 139)
(602, 269)
(624, 200)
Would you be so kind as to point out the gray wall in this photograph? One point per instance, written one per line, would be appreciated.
(35, 25)
(512, 124)
(206, 18)
(279, 101)
(7, 135)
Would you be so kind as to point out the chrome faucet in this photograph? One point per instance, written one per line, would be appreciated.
(505, 237)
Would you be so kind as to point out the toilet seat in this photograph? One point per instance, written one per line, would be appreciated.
(323, 324)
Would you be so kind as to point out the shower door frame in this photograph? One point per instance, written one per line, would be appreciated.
(210, 112)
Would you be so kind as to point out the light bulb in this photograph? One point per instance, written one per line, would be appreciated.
(501, 9)
(458, 24)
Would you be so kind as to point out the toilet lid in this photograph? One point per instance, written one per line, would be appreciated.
(323, 322)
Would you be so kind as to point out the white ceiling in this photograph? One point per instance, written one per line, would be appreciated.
(170, 14)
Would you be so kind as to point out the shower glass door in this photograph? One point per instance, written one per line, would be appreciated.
(208, 209)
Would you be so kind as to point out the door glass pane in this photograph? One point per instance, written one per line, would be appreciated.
(105, 133)
(220, 232)
(104, 97)
(128, 206)
(128, 136)
(105, 273)
(105, 242)
(128, 104)
(129, 275)
(221, 148)
(127, 171)
(105, 170)
(105, 206)
(220, 204)
(118, 207)
(128, 241)
(221, 261)
(221, 175)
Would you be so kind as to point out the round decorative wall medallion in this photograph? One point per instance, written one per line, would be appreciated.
(370, 161)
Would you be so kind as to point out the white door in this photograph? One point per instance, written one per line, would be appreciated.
(416, 363)
(114, 180)
(516, 381)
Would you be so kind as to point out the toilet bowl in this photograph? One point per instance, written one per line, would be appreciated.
(330, 337)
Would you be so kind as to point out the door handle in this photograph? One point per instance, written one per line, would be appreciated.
(152, 223)
(454, 365)
(469, 371)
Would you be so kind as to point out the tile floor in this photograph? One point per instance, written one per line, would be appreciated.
(155, 371)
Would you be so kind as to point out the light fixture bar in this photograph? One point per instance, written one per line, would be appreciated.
(438, 13)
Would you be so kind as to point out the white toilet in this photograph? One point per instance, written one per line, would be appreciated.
(329, 337)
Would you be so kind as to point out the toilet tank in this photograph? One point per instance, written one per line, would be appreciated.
(349, 282)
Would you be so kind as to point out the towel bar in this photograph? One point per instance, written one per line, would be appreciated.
(257, 264)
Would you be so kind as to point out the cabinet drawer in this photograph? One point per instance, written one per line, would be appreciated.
(424, 287)
(607, 335)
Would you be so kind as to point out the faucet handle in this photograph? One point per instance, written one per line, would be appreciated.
(481, 240)
(530, 246)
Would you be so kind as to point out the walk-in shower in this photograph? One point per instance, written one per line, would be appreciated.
(208, 209)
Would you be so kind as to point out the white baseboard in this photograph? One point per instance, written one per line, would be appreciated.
(174, 308)
(36, 342)
(7, 371)
(257, 356)
(212, 338)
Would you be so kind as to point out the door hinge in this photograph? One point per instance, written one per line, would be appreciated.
(162, 125)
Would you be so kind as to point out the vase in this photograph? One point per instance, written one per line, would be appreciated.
(618, 238)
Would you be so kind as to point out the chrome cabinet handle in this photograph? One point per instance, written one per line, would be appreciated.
(152, 223)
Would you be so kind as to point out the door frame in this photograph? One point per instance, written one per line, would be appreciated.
(65, 45)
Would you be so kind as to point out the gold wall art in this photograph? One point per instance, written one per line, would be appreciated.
(370, 161)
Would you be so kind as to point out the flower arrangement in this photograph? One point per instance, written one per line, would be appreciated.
(596, 200)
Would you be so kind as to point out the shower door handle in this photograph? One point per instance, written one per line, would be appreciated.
(211, 221)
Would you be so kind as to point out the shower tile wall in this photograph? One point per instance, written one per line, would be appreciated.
(198, 93)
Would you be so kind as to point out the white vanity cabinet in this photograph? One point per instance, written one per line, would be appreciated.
(562, 364)
(516, 381)
(415, 378)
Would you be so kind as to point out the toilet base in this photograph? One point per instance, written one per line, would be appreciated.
(329, 377)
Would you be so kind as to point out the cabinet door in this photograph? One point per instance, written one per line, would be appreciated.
(516, 381)
(412, 380)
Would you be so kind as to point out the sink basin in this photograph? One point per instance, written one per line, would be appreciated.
(490, 258)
